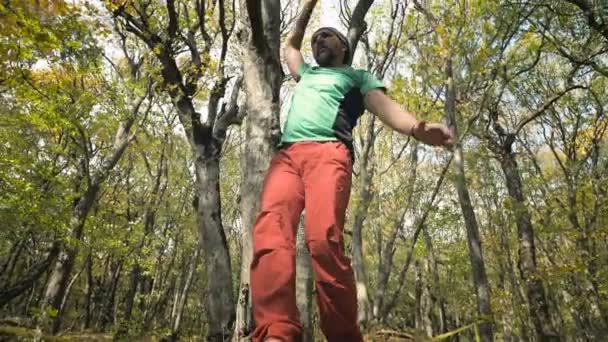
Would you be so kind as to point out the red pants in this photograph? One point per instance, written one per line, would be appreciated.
(315, 176)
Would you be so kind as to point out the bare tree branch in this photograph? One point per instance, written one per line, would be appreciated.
(229, 111)
(357, 26)
(544, 107)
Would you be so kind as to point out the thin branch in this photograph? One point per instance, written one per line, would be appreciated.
(545, 106)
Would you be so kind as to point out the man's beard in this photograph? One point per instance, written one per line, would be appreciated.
(325, 58)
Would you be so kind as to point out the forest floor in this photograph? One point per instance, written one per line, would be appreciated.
(16, 333)
(12, 333)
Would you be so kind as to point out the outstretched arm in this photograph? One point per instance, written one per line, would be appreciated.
(392, 115)
(294, 42)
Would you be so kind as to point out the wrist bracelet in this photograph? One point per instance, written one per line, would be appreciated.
(416, 125)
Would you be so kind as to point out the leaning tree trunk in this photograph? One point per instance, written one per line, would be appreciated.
(182, 296)
(60, 274)
(539, 310)
(263, 77)
(31, 276)
(365, 195)
(480, 279)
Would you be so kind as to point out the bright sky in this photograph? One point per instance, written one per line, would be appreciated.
(330, 10)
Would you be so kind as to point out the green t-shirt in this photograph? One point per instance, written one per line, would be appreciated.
(326, 103)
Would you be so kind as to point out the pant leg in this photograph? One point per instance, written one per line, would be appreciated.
(327, 183)
(273, 265)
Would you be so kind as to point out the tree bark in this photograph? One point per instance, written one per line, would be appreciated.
(424, 304)
(109, 295)
(262, 78)
(304, 285)
(31, 276)
(176, 317)
(89, 289)
(217, 265)
(539, 310)
(356, 28)
(7, 268)
(480, 279)
(60, 273)
(594, 19)
(365, 196)
(436, 295)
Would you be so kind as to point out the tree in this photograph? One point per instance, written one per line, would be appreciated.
(184, 27)
(263, 76)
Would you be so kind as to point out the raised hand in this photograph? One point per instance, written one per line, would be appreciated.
(434, 134)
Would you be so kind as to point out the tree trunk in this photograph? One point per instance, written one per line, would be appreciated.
(176, 316)
(424, 304)
(219, 298)
(539, 311)
(109, 295)
(68, 289)
(31, 275)
(365, 196)
(149, 216)
(129, 299)
(60, 274)
(7, 268)
(262, 78)
(436, 295)
(356, 28)
(88, 306)
(304, 285)
(480, 279)
(417, 295)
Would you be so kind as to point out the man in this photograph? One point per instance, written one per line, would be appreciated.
(312, 171)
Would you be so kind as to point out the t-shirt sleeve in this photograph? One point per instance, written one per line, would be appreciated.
(370, 82)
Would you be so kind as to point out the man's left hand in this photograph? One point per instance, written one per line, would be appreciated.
(434, 134)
